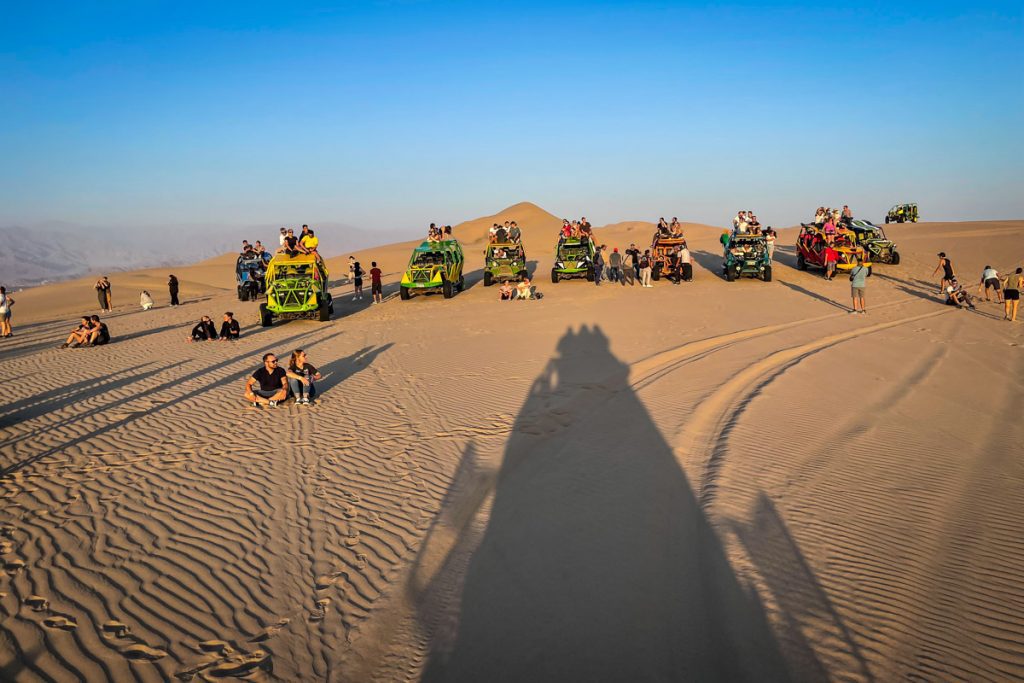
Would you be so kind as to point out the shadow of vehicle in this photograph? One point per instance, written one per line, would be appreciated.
(597, 562)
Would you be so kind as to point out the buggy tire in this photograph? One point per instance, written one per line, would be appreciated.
(801, 264)
(324, 312)
(447, 289)
(266, 317)
(767, 274)
(656, 273)
(554, 276)
(488, 278)
(887, 220)
(729, 275)
(590, 274)
(462, 284)
(403, 293)
(243, 294)
(895, 259)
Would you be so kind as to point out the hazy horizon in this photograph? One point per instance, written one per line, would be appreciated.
(392, 115)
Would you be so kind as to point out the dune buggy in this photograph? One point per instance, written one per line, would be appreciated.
(250, 275)
(574, 257)
(747, 256)
(811, 243)
(296, 287)
(660, 254)
(503, 262)
(902, 213)
(434, 266)
(870, 236)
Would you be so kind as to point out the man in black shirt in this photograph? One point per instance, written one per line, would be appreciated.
(99, 335)
(229, 328)
(634, 255)
(268, 385)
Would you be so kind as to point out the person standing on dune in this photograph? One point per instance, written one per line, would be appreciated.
(948, 274)
(1012, 285)
(172, 287)
(5, 313)
(376, 283)
(103, 293)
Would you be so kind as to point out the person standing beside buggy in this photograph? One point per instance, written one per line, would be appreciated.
(948, 275)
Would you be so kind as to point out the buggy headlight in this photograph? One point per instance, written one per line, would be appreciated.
(559, 264)
(581, 264)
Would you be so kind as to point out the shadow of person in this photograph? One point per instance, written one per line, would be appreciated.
(597, 562)
(337, 371)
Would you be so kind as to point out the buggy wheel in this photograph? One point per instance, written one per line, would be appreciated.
(887, 220)
(447, 289)
(656, 273)
(243, 294)
(801, 264)
(554, 276)
(590, 274)
(266, 317)
(462, 283)
(403, 293)
(895, 259)
(488, 278)
(767, 274)
(324, 312)
(330, 303)
(729, 275)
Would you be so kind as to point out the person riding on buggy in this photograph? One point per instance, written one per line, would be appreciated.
(747, 256)
(296, 288)
(662, 249)
(434, 266)
(812, 244)
(503, 262)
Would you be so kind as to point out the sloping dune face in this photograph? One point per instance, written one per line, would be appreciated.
(705, 481)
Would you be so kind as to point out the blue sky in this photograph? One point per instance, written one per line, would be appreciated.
(395, 114)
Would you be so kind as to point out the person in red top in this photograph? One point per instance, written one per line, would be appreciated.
(376, 289)
(831, 257)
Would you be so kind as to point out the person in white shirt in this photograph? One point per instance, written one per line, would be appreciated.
(145, 300)
(284, 233)
(990, 278)
(769, 237)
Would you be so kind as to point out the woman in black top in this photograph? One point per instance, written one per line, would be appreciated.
(172, 286)
(229, 328)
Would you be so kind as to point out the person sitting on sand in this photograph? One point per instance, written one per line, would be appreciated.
(98, 334)
(268, 385)
(300, 378)
(204, 330)
(523, 289)
(80, 334)
(990, 278)
(229, 329)
(957, 295)
(145, 300)
(505, 291)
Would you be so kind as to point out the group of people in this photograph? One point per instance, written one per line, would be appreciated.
(306, 242)
(355, 276)
(91, 331)
(521, 291)
(1007, 288)
(665, 229)
(205, 330)
(437, 233)
(504, 234)
(577, 230)
(632, 265)
(825, 214)
(745, 222)
(271, 384)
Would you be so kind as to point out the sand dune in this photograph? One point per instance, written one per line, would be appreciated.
(711, 481)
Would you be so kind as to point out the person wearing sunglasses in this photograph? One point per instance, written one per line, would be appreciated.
(268, 385)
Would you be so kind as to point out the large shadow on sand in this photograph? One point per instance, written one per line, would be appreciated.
(597, 563)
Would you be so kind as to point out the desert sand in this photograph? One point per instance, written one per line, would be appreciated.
(710, 481)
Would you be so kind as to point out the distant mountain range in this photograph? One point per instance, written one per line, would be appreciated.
(52, 252)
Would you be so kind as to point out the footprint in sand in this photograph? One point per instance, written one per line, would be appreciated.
(7, 531)
(270, 631)
(350, 511)
(221, 647)
(6, 547)
(14, 566)
(62, 623)
(37, 602)
(115, 629)
(237, 666)
(144, 653)
(352, 539)
(361, 561)
(320, 613)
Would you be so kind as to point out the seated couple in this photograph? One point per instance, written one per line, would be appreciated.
(271, 384)
(521, 290)
(205, 330)
(90, 332)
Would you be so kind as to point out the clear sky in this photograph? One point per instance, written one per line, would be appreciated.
(395, 114)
